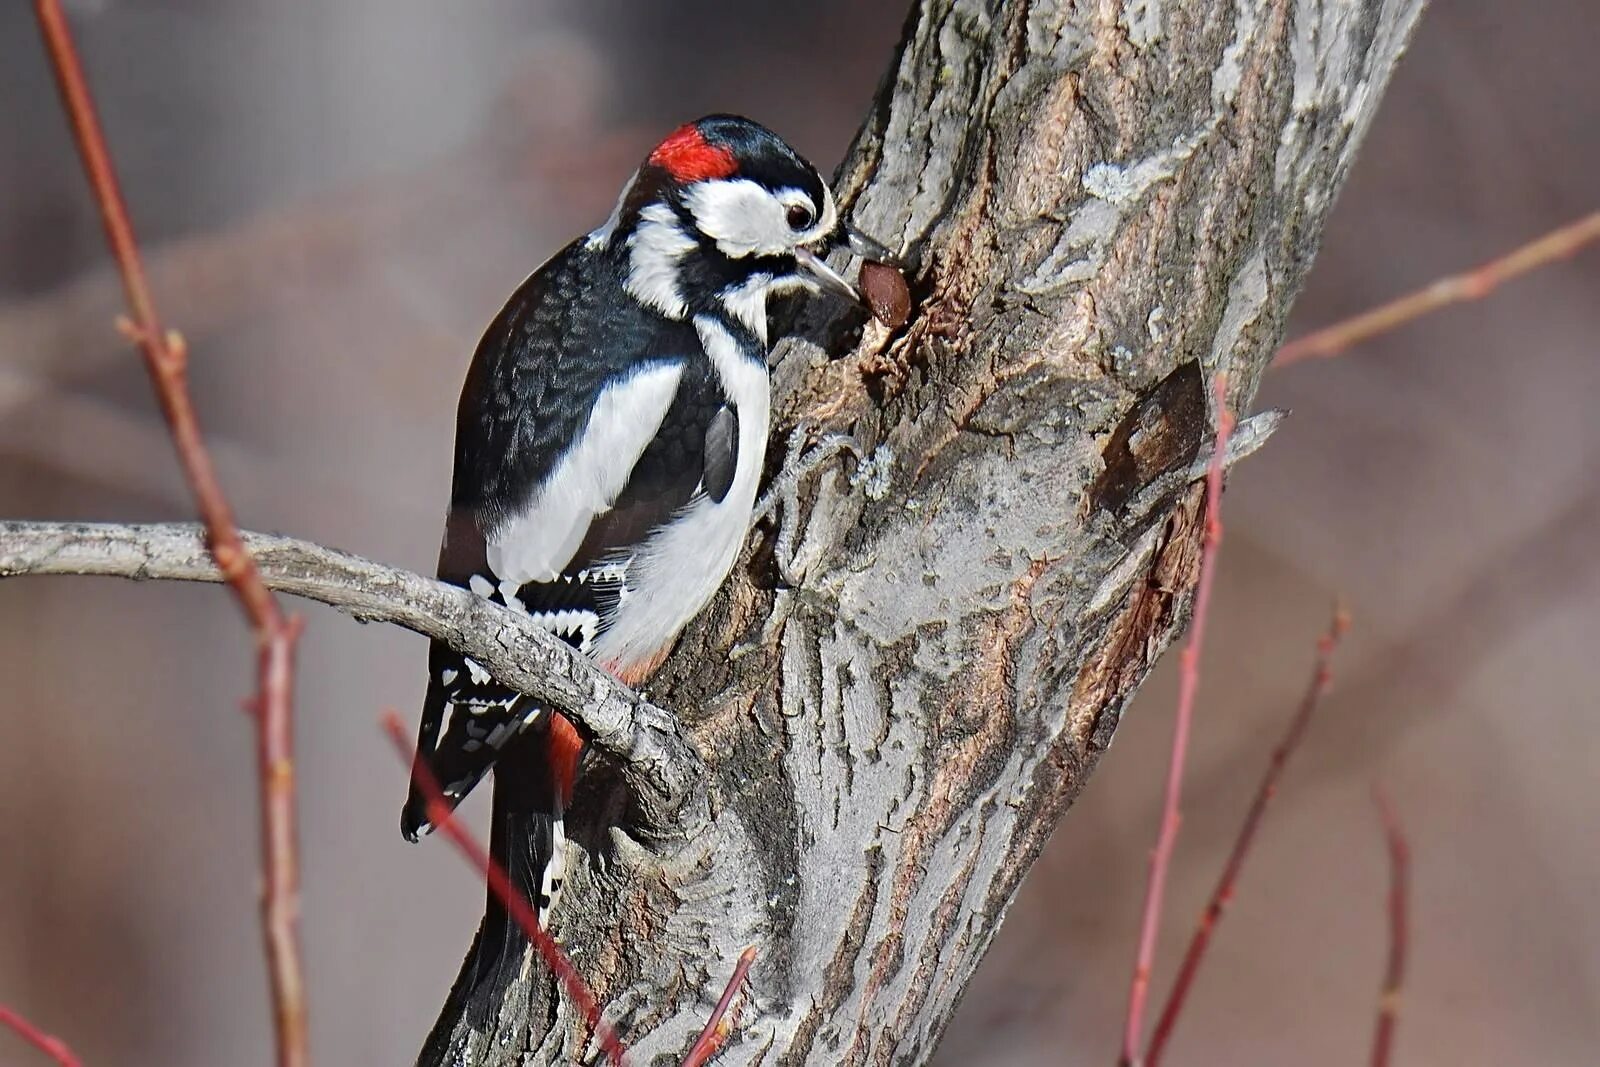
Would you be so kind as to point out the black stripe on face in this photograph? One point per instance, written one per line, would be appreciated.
(708, 272)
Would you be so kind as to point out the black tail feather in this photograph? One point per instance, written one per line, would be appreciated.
(463, 732)
(525, 839)
(414, 816)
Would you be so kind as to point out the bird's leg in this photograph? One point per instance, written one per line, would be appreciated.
(784, 492)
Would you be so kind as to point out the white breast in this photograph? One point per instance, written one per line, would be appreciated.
(535, 544)
(675, 573)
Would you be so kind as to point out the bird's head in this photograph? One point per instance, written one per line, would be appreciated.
(724, 212)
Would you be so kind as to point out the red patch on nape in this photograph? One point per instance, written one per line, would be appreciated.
(689, 157)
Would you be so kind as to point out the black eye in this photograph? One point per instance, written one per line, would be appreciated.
(799, 217)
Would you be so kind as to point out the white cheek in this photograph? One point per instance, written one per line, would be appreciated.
(741, 217)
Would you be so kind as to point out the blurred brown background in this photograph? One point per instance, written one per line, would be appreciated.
(335, 201)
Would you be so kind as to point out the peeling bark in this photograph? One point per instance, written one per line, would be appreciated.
(1099, 194)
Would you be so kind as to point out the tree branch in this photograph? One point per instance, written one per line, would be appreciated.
(722, 1016)
(1394, 968)
(1188, 689)
(48, 1044)
(520, 909)
(166, 359)
(1222, 895)
(1560, 243)
(656, 757)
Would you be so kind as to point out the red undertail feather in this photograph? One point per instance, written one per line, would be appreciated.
(565, 746)
(636, 673)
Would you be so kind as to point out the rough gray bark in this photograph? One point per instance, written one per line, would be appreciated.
(1100, 194)
(1111, 203)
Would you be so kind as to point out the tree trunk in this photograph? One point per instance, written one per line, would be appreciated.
(1111, 204)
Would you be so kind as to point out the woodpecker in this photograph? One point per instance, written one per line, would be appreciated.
(609, 443)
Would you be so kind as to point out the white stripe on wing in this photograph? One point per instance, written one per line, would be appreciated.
(537, 543)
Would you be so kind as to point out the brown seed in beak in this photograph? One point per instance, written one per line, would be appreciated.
(886, 293)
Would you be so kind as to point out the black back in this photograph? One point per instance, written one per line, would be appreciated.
(537, 373)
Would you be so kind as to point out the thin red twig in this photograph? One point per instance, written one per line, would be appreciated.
(442, 816)
(166, 359)
(721, 1022)
(1560, 243)
(1321, 676)
(1399, 928)
(1188, 686)
(53, 1047)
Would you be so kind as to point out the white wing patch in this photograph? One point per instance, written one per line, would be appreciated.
(674, 573)
(538, 542)
(570, 622)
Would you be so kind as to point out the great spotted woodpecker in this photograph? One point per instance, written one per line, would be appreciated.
(609, 441)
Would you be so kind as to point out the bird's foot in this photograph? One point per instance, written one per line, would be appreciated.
(784, 494)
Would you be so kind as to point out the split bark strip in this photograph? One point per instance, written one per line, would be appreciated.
(51, 1046)
(721, 1022)
(166, 359)
(1399, 928)
(443, 817)
(1321, 676)
(1188, 687)
(1560, 243)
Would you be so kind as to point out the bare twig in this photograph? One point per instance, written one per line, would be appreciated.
(53, 1047)
(1321, 675)
(657, 760)
(1399, 930)
(1475, 284)
(721, 1022)
(166, 360)
(443, 818)
(1188, 686)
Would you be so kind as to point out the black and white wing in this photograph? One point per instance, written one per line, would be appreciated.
(581, 429)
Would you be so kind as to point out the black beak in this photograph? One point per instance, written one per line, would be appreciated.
(859, 244)
(869, 248)
(826, 278)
